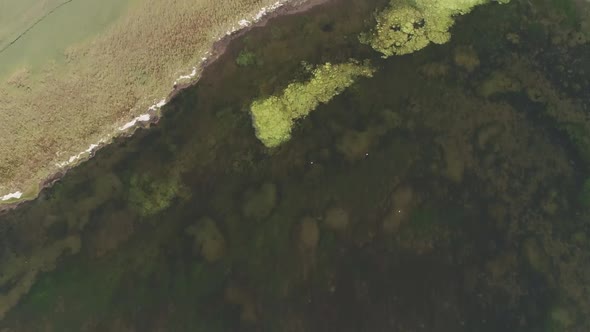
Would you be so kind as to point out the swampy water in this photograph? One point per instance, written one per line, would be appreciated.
(449, 192)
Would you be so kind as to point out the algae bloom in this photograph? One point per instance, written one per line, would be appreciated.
(407, 26)
(273, 117)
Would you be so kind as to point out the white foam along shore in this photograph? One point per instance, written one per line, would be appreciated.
(15, 195)
(152, 110)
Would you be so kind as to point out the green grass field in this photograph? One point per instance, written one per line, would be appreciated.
(90, 66)
(18, 16)
(50, 27)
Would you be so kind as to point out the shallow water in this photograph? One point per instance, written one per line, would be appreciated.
(446, 193)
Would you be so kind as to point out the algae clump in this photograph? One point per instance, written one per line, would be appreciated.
(407, 26)
(273, 117)
(246, 58)
(149, 195)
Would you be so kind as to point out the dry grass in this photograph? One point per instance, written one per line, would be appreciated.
(48, 115)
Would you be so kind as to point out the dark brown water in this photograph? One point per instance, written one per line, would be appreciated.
(447, 193)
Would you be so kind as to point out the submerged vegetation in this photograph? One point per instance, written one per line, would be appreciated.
(150, 195)
(246, 58)
(585, 194)
(273, 117)
(448, 191)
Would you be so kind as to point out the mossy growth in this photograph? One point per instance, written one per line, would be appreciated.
(246, 58)
(407, 26)
(260, 203)
(92, 292)
(560, 319)
(149, 195)
(208, 239)
(273, 117)
(578, 135)
(536, 256)
(585, 194)
(499, 82)
(569, 11)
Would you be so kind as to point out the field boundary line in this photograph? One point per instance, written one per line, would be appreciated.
(33, 25)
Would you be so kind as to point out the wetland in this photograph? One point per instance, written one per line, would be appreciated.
(449, 190)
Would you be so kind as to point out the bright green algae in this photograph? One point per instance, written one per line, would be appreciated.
(408, 26)
(402, 28)
(274, 117)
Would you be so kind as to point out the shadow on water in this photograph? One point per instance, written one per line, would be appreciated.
(446, 193)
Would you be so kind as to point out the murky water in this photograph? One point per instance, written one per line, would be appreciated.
(446, 193)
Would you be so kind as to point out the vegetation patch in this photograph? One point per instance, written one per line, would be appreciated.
(274, 117)
(149, 195)
(585, 194)
(18, 16)
(408, 26)
(246, 58)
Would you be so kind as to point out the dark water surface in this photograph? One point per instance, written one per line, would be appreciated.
(447, 193)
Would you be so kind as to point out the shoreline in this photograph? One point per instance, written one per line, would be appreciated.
(218, 48)
(291, 7)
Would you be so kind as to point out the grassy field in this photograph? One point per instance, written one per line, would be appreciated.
(48, 31)
(90, 66)
(18, 16)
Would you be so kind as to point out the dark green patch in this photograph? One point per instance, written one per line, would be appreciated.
(585, 194)
(246, 58)
(568, 9)
(580, 137)
(82, 292)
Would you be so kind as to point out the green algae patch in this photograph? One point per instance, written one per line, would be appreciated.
(246, 58)
(274, 117)
(149, 195)
(405, 27)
